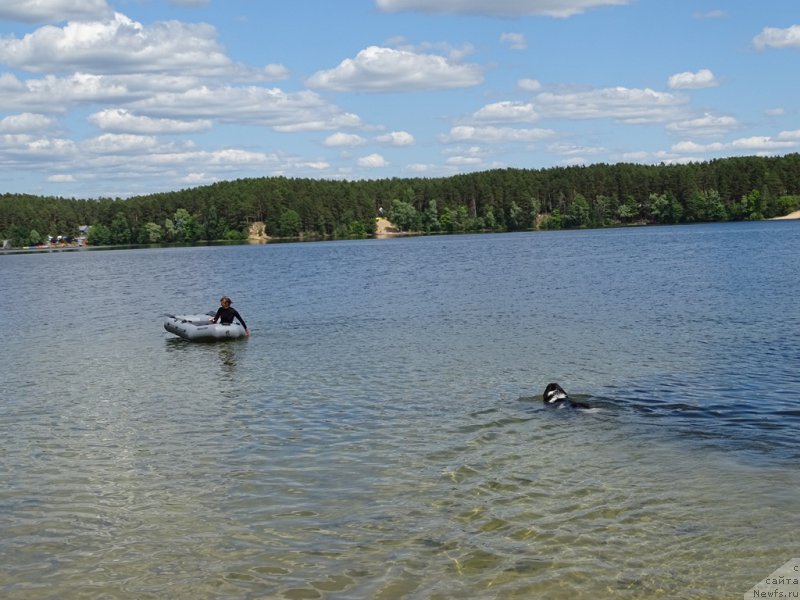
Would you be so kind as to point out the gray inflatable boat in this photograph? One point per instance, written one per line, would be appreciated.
(199, 328)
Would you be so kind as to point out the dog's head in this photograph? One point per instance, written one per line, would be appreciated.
(554, 393)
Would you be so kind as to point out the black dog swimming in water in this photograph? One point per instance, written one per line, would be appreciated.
(555, 394)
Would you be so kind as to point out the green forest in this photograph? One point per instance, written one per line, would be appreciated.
(601, 195)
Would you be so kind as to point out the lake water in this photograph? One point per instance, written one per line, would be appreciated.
(381, 434)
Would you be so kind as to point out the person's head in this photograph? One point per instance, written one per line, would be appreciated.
(225, 302)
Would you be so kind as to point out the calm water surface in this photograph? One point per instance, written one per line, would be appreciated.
(382, 435)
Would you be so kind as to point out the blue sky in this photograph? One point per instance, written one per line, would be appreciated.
(124, 97)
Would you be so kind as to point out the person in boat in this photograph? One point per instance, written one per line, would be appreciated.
(226, 314)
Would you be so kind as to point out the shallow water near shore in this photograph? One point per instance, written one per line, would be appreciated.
(382, 435)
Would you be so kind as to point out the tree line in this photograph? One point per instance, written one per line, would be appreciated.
(600, 195)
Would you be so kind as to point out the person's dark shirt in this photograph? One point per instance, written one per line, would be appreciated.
(226, 316)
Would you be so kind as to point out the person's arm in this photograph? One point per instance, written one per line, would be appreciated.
(215, 318)
(241, 320)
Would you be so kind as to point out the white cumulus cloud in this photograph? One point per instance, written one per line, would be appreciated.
(708, 124)
(773, 37)
(237, 156)
(28, 149)
(372, 161)
(63, 178)
(687, 80)
(419, 168)
(462, 161)
(25, 123)
(518, 112)
(118, 45)
(628, 105)
(57, 94)
(340, 139)
(573, 150)
(378, 69)
(197, 179)
(758, 143)
(763, 142)
(252, 105)
(120, 143)
(48, 11)
(396, 138)
(120, 120)
(468, 133)
(315, 165)
(529, 85)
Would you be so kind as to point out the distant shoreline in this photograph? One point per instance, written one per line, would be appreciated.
(383, 229)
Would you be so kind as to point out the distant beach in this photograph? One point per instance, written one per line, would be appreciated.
(794, 215)
(383, 227)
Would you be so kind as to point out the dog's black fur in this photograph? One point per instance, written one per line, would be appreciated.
(555, 394)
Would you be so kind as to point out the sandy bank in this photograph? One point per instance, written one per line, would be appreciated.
(383, 227)
(794, 215)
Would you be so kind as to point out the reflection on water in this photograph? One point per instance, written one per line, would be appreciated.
(382, 435)
(226, 351)
(227, 358)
